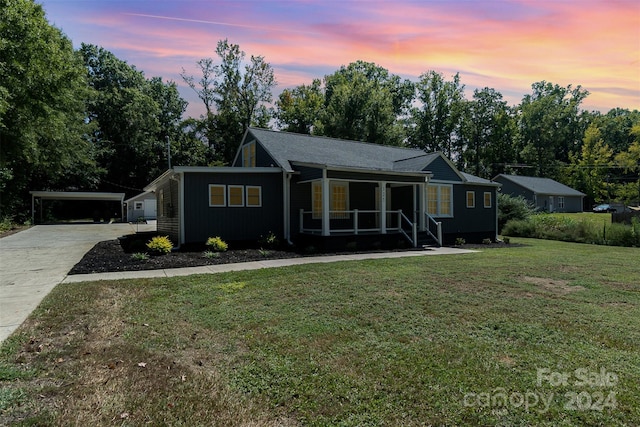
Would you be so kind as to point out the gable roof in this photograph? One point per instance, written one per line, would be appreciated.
(540, 185)
(287, 148)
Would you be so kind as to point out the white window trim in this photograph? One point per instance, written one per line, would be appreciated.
(473, 200)
(560, 202)
(484, 199)
(242, 204)
(138, 206)
(224, 195)
(246, 195)
(439, 186)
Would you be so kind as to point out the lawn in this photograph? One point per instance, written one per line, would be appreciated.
(541, 334)
(597, 219)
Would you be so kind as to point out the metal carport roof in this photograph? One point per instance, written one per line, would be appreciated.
(73, 195)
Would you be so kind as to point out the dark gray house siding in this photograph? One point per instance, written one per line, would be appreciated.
(307, 173)
(168, 210)
(231, 223)
(442, 171)
(471, 224)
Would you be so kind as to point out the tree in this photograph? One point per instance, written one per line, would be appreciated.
(43, 92)
(550, 126)
(234, 98)
(133, 117)
(299, 109)
(487, 130)
(363, 102)
(629, 162)
(437, 121)
(590, 170)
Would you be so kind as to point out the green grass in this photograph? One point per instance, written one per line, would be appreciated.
(412, 341)
(596, 219)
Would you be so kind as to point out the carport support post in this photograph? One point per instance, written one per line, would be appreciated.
(33, 209)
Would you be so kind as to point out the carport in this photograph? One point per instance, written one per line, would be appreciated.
(74, 195)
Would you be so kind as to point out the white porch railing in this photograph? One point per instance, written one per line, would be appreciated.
(437, 228)
(361, 222)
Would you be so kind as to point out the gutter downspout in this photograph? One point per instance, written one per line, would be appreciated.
(181, 206)
(286, 196)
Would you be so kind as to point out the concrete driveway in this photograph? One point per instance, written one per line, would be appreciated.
(34, 261)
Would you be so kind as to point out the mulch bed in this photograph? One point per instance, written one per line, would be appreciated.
(109, 256)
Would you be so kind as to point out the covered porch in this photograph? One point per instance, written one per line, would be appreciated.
(346, 203)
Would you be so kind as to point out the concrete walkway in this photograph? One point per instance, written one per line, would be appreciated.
(34, 261)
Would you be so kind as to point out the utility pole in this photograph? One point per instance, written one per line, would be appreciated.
(168, 152)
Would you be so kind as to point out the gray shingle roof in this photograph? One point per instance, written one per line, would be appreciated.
(477, 180)
(286, 147)
(541, 185)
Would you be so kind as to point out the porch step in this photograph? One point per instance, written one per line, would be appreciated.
(425, 240)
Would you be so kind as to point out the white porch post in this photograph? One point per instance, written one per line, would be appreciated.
(325, 205)
(423, 206)
(383, 206)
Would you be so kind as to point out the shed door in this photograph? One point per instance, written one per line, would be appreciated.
(150, 208)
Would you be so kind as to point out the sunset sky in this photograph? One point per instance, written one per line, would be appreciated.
(503, 44)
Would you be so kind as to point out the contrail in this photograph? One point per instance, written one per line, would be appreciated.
(199, 21)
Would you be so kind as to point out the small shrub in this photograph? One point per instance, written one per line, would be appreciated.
(486, 241)
(460, 241)
(519, 228)
(160, 245)
(265, 253)
(140, 256)
(352, 246)
(210, 254)
(310, 250)
(216, 244)
(270, 241)
(506, 240)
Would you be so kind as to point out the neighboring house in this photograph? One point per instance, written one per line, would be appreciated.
(313, 190)
(544, 193)
(141, 206)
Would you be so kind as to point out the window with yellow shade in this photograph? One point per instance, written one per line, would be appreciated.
(217, 195)
(440, 200)
(236, 195)
(249, 155)
(254, 196)
(338, 200)
(471, 199)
